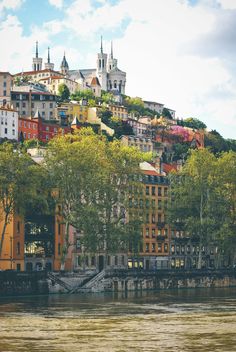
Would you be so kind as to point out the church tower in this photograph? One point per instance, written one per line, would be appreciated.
(112, 63)
(37, 61)
(102, 68)
(49, 65)
(64, 66)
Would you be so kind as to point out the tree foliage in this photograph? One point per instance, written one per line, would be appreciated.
(63, 92)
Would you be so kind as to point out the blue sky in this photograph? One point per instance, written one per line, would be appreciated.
(177, 52)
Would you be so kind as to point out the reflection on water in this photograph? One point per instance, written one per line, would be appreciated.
(166, 321)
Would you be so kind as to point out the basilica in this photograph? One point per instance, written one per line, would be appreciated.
(107, 76)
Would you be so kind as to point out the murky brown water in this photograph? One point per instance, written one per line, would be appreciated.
(187, 320)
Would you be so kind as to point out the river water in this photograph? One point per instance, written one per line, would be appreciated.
(186, 320)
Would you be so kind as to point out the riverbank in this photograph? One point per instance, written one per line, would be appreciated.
(33, 283)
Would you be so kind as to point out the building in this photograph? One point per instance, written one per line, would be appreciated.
(143, 144)
(6, 83)
(151, 204)
(9, 123)
(12, 256)
(141, 129)
(154, 106)
(53, 82)
(29, 101)
(118, 111)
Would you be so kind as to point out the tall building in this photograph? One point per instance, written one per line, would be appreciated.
(37, 61)
(8, 123)
(6, 82)
(49, 65)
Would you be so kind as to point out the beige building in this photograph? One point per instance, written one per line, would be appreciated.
(38, 75)
(28, 103)
(118, 111)
(143, 144)
(8, 123)
(53, 82)
(6, 81)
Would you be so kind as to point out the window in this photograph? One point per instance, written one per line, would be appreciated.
(159, 191)
(147, 247)
(47, 137)
(59, 249)
(172, 248)
(23, 112)
(153, 233)
(147, 218)
(17, 104)
(23, 105)
(13, 132)
(165, 247)
(13, 123)
(147, 231)
(153, 247)
(116, 260)
(29, 136)
(18, 248)
(153, 218)
(18, 226)
(4, 93)
(59, 229)
(153, 203)
(47, 128)
(108, 260)
(5, 130)
(153, 191)
(159, 204)
(147, 190)
(159, 247)
(165, 192)
(4, 84)
(24, 134)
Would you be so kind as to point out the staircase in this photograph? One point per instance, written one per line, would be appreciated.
(89, 283)
(60, 282)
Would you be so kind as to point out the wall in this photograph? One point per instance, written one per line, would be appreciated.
(16, 283)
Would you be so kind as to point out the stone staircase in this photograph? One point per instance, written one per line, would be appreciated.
(56, 280)
(89, 284)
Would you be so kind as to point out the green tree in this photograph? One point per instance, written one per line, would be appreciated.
(166, 113)
(192, 122)
(196, 205)
(83, 94)
(18, 184)
(63, 92)
(215, 142)
(92, 176)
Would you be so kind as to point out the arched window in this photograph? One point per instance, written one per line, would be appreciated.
(115, 84)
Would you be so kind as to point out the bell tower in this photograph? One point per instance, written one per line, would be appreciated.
(49, 65)
(37, 61)
(102, 68)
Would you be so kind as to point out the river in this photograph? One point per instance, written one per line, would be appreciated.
(186, 320)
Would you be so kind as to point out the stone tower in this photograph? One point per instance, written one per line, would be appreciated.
(102, 68)
(64, 66)
(37, 61)
(49, 65)
(111, 63)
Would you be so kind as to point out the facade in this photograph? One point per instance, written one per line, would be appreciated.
(143, 144)
(8, 123)
(53, 82)
(36, 76)
(152, 205)
(118, 111)
(140, 129)
(27, 103)
(154, 106)
(12, 256)
(6, 82)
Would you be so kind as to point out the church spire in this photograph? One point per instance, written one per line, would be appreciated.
(48, 55)
(37, 50)
(101, 46)
(111, 50)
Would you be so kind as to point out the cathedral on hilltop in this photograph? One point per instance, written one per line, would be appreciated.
(106, 76)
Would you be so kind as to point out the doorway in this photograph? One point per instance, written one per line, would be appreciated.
(100, 262)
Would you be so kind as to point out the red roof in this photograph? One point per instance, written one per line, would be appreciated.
(95, 82)
(169, 167)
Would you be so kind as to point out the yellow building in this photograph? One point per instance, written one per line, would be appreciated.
(53, 82)
(118, 111)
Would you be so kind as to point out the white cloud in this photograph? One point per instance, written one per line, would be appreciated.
(56, 3)
(10, 4)
(228, 4)
(152, 49)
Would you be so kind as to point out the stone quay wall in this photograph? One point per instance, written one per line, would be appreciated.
(13, 283)
(135, 280)
(33, 283)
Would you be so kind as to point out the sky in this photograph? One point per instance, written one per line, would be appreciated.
(181, 53)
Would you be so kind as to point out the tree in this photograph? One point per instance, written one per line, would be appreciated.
(18, 184)
(63, 92)
(83, 94)
(215, 142)
(192, 122)
(92, 176)
(196, 205)
(166, 113)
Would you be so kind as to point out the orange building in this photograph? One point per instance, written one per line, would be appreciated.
(12, 256)
(151, 205)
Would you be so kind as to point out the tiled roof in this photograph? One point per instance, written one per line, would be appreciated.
(95, 82)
